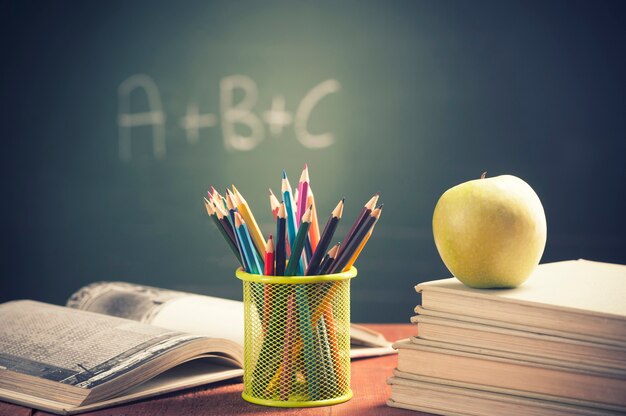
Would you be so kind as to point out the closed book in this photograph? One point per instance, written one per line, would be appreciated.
(526, 345)
(579, 299)
(577, 387)
(583, 366)
(431, 397)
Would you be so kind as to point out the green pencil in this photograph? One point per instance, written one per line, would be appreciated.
(298, 244)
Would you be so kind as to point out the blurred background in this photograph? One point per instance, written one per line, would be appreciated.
(119, 116)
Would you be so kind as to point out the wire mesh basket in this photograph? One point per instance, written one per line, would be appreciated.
(297, 339)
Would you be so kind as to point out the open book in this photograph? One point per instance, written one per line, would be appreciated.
(117, 342)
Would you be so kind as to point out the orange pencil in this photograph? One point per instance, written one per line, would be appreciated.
(314, 231)
(303, 192)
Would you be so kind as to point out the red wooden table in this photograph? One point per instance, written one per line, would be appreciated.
(368, 385)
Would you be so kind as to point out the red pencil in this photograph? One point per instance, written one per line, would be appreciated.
(274, 204)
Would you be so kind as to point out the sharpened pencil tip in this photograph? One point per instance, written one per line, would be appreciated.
(206, 201)
(305, 175)
(284, 174)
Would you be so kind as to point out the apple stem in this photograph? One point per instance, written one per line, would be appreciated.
(483, 175)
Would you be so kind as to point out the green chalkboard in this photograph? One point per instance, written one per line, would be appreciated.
(121, 115)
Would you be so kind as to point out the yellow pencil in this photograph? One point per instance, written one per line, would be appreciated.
(358, 251)
(248, 217)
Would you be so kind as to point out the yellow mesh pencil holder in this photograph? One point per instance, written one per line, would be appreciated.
(297, 339)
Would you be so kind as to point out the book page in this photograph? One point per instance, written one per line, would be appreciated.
(74, 347)
(180, 311)
(194, 314)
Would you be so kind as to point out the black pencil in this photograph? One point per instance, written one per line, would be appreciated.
(365, 212)
(222, 216)
(325, 239)
(344, 255)
(327, 262)
(281, 247)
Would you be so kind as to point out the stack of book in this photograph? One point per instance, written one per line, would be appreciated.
(555, 345)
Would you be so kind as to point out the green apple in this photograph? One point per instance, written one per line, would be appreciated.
(490, 232)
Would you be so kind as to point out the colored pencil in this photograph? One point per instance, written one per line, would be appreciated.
(325, 349)
(274, 204)
(246, 243)
(303, 192)
(210, 210)
(292, 226)
(365, 212)
(241, 242)
(306, 334)
(302, 198)
(222, 216)
(231, 206)
(308, 251)
(281, 249)
(314, 230)
(327, 235)
(232, 210)
(267, 289)
(320, 352)
(215, 196)
(329, 258)
(345, 254)
(287, 373)
(269, 257)
(253, 227)
(298, 245)
(359, 249)
(331, 328)
(214, 193)
(308, 322)
(272, 362)
(230, 239)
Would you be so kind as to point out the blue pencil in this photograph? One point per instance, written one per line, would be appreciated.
(255, 263)
(292, 224)
(230, 205)
(245, 255)
(231, 215)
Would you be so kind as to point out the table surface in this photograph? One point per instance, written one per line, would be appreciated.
(368, 385)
